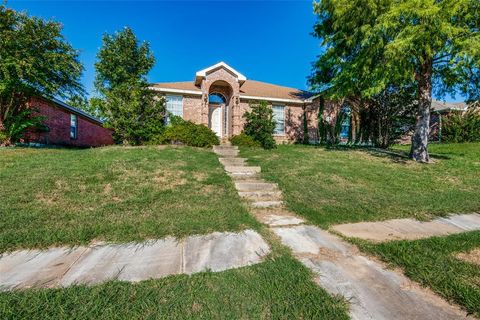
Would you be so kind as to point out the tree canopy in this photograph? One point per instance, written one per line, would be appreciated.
(369, 45)
(130, 108)
(35, 58)
(122, 59)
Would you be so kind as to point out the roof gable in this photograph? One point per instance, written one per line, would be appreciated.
(199, 75)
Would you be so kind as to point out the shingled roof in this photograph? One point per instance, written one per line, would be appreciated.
(442, 106)
(250, 88)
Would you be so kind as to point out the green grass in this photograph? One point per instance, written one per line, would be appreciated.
(73, 196)
(431, 262)
(276, 289)
(350, 185)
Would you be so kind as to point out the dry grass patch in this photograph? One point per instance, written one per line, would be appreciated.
(340, 185)
(472, 256)
(114, 194)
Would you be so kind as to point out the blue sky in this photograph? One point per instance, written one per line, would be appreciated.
(266, 41)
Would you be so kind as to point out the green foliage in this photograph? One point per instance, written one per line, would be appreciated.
(122, 59)
(15, 125)
(322, 124)
(35, 59)
(243, 140)
(329, 130)
(370, 44)
(260, 124)
(90, 106)
(305, 139)
(337, 126)
(386, 116)
(187, 132)
(132, 110)
(458, 127)
(4, 139)
(134, 113)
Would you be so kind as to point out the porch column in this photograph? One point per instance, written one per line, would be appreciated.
(204, 111)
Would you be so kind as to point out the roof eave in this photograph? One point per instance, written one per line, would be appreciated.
(76, 110)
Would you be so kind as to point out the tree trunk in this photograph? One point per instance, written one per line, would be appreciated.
(419, 151)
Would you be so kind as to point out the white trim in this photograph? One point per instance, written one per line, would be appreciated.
(199, 93)
(178, 98)
(284, 119)
(202, 73)
(169, 90)
(310, 100)
(273, 99)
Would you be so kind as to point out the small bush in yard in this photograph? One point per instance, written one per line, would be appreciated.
(459, 127)
(260, 124)
(15, 126)
(189, 133)
(244, 140)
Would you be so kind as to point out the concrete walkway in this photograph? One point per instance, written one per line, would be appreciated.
(374, 292)
(60, 267)
(409, 229)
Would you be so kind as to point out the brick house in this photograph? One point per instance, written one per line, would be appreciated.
(219, 96)
(66, 126)
(441, 109)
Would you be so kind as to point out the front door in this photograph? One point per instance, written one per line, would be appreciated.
(215, 120)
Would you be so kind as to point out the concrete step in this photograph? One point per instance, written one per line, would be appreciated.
(226, 153)
(261, 195)
(244, 176)
(233, 161)
(224, 147)
(267, 204)
(242, 169)
(225, 142)
(255, 186)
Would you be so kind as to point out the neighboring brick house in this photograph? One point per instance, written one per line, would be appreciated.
(66, 126)
(219, 96)
(441, 109)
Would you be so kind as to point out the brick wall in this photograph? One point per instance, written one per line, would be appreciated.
(293, 122)
(89, 132)
(195, 108)
(192, 109)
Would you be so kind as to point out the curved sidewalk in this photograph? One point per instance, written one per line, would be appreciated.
(60, 267)
(373, 291)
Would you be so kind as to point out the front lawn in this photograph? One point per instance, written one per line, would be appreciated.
(332, 186)
(73, 196)
(432, 262)
(279, 288)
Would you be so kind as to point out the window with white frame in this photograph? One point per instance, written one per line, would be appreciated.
(73, 126)
(174, 106)
(279, 117)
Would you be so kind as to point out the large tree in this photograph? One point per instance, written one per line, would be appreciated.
(371, 44)
(130, 108)
(35, 59)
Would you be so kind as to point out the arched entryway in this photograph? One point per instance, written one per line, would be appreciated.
(219, 108)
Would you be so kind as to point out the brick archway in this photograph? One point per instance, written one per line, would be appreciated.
(221, 79)
(219, 114)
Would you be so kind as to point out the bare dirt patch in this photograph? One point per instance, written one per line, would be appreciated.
(200, 176)
(471, 257)
(107, 188)
(169, 179)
